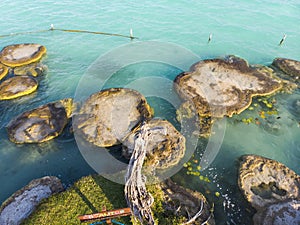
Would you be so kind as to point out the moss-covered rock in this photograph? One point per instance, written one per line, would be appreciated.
(165, 146)
(108, 116)
(41, 124)
(223, 87)
(15, 87)
(21, 54)
(3, 71)
(23, 202)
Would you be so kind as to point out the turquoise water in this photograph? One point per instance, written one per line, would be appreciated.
(251, 30)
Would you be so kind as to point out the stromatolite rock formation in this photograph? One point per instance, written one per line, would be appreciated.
(271, 188)
(41, 124)
(185, 202)
(33, 69)
(21, 54)
(287, 212)
(15, 87)
(290, 67)
(107, 117)
(223, 87)
(3, 71)
(23, 202)
(165, 146)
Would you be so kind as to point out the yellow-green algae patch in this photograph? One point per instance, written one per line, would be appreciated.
(21, 54)
(3, 71)
(223, 87)
(15, 87)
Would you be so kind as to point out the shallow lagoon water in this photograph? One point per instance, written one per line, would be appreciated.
(251, 30)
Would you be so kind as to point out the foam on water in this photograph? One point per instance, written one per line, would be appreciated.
(249, 29)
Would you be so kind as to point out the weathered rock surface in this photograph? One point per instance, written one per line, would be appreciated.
(290, 67)
(21, 54)
(165, 145)
(3, 71)
(107, 117)
(33, 69)
(15, 87)
(223, 87)
(264, 181)
(185, 202)
(22, 203)
(287, 212)
(41, 124)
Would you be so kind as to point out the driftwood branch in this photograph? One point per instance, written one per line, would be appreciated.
(136, 194)
(196, 216)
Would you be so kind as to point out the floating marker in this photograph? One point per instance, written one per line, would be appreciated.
(282, 40)
(131, 33)
(209, 38)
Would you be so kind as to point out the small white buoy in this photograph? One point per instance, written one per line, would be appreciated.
(209, 38)
(283, 39)
(131, 33)
(51, 26)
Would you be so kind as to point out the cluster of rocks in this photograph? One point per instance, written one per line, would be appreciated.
(23, 202)
(19, 65)
(215, 88)
(271, 188)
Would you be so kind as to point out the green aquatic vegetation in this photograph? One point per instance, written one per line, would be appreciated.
(194, 169)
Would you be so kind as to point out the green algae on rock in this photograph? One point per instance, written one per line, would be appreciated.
(290, 67)
(265, 181)
(15, 87)
(223, 87)
(108, 116)
(33, 69)
(41, 124)
(23, 202)
(166, 146)
(3, 71)
(21, 54)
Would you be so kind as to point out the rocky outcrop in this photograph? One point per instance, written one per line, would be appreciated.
(22, 203)
(184, 202)
(223, 87)
(33, 69)
(287, 212)
(15, 87)
(290, 67)
(165, 145)
(3, 71)
(41, 124)
(271, 188)
(21, 54)
(107, 117)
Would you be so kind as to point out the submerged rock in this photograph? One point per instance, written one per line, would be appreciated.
(21, 54)
(41, 124)
(23, 202)
(165, 146)
(107, 117)
(3, 71)
(287, 212)
(290, 67)
(181, 201)
(15, 87)
(265, 181)
(33, 69)
(223, 87)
